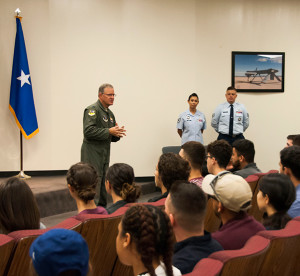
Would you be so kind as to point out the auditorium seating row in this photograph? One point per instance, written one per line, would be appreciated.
(99, 231)
(267, 253)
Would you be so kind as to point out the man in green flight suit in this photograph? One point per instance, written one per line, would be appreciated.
(99, 130)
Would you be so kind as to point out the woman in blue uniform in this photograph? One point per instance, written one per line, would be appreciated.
(191, 123)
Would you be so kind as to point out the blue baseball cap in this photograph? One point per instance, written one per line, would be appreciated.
(59, 250)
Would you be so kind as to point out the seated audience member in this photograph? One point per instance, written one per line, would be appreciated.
(59, 252)
(243, 158)
(18, 207)
(290, 166)
(218, 156)
(186, 205)
(170, 167)
(232, 198)
(296, 141)
(276, 193)
(194, 153)
(120, 185)
(82, 179)
(290, 140)
(145, 241)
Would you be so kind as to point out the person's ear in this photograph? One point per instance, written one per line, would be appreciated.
(267, 200)
(287, 171)
(172, 219)
(241, 158)
(107, 185)
(71, 189)
(127, 240)
(220, 207)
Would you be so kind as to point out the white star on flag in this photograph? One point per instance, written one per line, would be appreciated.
(24, 78)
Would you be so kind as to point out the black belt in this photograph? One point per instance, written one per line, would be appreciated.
(233, 136)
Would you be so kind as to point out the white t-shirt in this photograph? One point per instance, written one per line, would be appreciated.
(160, 271)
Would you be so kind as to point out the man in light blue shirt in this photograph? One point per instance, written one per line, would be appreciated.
(230, 119)
(192, 122)
(290, 165)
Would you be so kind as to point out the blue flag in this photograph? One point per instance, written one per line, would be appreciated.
(21, 102)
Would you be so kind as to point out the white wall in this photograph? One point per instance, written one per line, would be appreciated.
(155, 53)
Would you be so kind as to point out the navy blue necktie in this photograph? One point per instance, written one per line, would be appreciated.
(231, 121)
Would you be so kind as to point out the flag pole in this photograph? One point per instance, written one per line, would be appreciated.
(22, 174)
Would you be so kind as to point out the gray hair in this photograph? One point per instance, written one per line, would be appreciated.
(103, 86)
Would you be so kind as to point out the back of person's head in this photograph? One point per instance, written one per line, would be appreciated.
(232, 191)
(60, 252)
(83, 178)
(290, 158)
(281, 194)
(193, 95)
(18, 207)
(172, 167)
(221, 151)
(151, 233)
(194, 152)
(296, 141)
(121, 178)
(187, 202)
(246, 148)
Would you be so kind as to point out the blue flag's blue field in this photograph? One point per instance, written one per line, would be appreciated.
(21, 102)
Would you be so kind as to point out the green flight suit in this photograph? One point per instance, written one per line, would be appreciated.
(95, 148)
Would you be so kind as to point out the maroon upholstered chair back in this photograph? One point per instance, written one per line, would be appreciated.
(160, 203)
(211, 221)
(252, 181)
(69, 223)
(283, 256)
(7, 245)
(206, 267)
(21, 261)
(245, 261)
(100, 232)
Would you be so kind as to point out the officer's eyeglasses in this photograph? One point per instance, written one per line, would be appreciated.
(110, 95)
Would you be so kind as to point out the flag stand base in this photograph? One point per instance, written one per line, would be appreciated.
(23, 175)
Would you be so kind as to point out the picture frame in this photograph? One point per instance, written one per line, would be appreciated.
(258, 71)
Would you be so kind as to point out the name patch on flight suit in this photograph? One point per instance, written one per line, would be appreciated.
(92, 112)
(105, 119)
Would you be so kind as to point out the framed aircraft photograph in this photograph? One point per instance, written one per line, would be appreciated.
(258, 71)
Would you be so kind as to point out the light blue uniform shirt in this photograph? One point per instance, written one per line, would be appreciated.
(294, 210)
(191, 125)
(220, 118)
